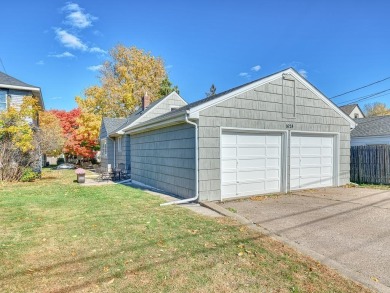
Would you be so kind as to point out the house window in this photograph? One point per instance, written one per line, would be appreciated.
(103, 146)
(173, 108)
(356, 115)
(3, 100)
(119, 144)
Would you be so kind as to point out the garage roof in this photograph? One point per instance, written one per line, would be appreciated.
(194, 108)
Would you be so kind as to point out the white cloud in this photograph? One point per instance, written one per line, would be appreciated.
(76, 16)
(95, 67)
(303, 72)
(244, 74)
(69, 40)
(63, 55)
(56, 98)
(256, 68)
(169, 66)
(97, 50)
(40, 62)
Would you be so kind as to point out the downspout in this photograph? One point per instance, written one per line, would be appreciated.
(113, 140)
(196, 170)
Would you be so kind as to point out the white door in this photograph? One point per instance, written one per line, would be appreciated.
(250, 164)
(311, 161)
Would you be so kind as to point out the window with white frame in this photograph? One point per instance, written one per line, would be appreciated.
(3, 100)
(103, 147)
(119, 142)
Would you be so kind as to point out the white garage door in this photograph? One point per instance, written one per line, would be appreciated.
(250, 164)
(311, 161)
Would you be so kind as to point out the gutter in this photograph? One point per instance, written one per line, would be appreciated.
(187, 200)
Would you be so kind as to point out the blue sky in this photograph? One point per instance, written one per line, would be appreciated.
(338, 45)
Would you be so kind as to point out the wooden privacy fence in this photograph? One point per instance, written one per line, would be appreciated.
(370, 164)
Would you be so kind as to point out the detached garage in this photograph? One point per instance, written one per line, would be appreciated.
(275, 134)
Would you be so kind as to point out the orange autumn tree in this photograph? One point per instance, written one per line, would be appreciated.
(77, 142)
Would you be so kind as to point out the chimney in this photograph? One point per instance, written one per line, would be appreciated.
(145, 101)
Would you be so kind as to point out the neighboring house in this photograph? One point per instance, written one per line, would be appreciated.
(371, 130)
(353, 111)
(12, 92)
(275, 134)
(115, 144)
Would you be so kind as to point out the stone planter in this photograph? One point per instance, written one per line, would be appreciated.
(81, 178)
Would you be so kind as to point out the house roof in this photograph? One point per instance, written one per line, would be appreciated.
(212, 100)
(6, 79)
(9, 82)
(347, 109)
(372, 126)
(136, 115)
(113, 123)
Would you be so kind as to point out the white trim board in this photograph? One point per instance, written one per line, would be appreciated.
(194, 112)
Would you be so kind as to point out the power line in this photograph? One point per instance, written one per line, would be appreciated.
(367, 97)
(362, 87)
(1, 61)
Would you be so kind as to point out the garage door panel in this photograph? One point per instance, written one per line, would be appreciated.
(273, 139)
(228, 164)
(273, 162)
(229, 190)
(229, 177)
(251, 188)
(273, 174)
(247, 138)
(273, 151)
(244, 175)
(257, 164)
(229, 139)
(251, 151)
(311, 161)
(310, 171)
(251, 163)
(230, 152)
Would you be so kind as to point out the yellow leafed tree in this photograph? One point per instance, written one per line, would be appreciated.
(51, 138)
(125, 79)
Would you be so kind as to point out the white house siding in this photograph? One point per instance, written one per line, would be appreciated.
(357, 112)
(174, 100)
(368, 140)
(165, 159)
(264, 108)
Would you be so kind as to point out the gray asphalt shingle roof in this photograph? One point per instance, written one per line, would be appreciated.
(113, 123)
(347, 109)
(372, 126)
(9, 80)
(123, 122)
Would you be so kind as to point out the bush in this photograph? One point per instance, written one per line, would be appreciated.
(28, 175)
(60, 161)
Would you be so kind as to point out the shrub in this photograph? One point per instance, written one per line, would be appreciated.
(28, 175)
(60, 161)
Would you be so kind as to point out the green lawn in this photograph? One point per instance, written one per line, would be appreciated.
(57, 236)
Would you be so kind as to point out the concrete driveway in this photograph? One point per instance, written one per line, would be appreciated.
(350, 226)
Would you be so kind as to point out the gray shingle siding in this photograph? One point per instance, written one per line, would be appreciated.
(109, 159)
(165, 159)
(123, 156)
(264, 108)
(163, 107)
